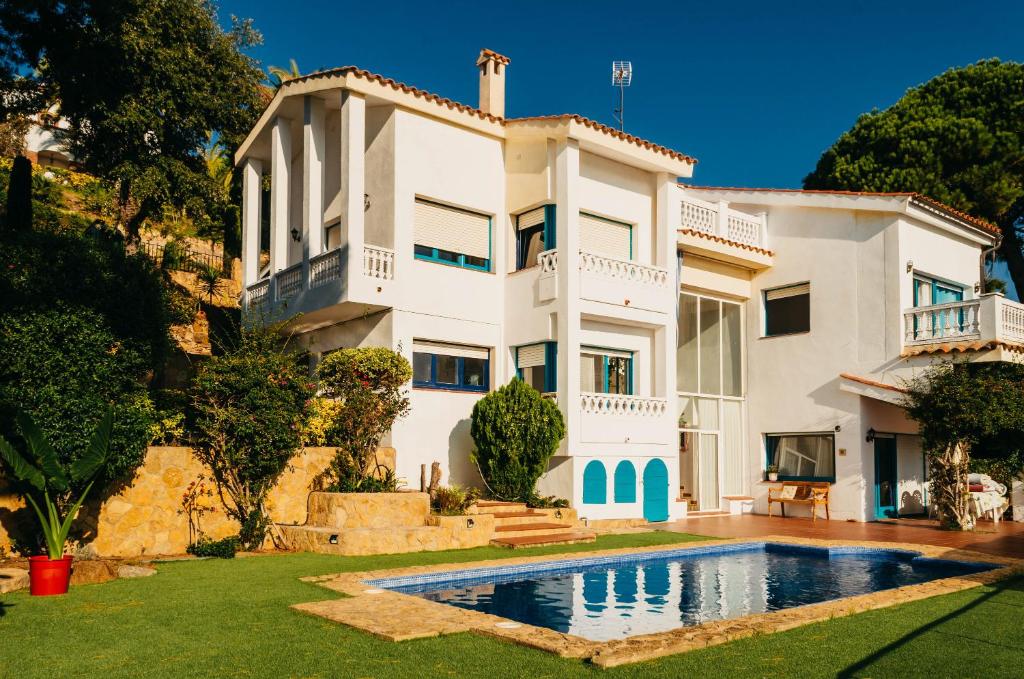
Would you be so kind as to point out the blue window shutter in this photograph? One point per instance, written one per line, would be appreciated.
(595, 484)
(625, 482)
(551, 366)
(549, 227)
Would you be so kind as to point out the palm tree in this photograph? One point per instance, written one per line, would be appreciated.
(279, 76)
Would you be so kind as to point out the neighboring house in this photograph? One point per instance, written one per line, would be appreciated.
(563, 252)
(41, 144)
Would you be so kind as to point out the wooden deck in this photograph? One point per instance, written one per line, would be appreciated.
(1006, 540)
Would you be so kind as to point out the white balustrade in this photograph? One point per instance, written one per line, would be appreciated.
(620, 405)
(718, 219)
(325, 268)
(1011, 321)
(258, 293)
(743, 229)
(378, 262)
(548, 261)
(289, 281)
(622, 269)
(951, 321)
(699, 216)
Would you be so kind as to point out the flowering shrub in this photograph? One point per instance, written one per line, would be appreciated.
(321, 415)
(194, 506)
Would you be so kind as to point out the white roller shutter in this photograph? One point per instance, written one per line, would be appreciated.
(530, 356)
(604, 237)
(531, 218)
(445, 349)
(448, 228)
(789, 291)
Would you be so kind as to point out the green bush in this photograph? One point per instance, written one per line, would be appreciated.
(453, 500)
(516, 432)
(369, 384)
(82, 326)
(249, 408)
(537, 501)
(218, 549)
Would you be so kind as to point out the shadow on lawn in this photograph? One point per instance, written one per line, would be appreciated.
(3, 608)
(855, 669)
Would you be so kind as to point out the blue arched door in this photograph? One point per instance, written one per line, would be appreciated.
(656, 491)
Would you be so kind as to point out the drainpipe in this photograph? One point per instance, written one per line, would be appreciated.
(984, 256)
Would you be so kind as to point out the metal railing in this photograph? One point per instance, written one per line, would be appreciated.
(178, 258)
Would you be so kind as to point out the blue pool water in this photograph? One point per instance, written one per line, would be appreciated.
(604, 598)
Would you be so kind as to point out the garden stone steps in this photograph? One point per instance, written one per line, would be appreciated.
(490, 507)
(516, 530)
(543, 540)
(507, 518)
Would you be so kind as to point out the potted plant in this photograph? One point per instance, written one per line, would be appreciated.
(773, 472)
(51, 574)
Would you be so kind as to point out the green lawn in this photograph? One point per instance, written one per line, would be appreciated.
(231, 619)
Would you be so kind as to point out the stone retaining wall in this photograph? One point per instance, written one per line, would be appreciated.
(145, 518)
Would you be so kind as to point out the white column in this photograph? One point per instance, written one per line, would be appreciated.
(280, 188)
(723, 219)
(252, 177)
(353, 148)
(665, 340)
(567, 241)
(312, 177)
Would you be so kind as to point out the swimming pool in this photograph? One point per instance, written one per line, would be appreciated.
(613, 597)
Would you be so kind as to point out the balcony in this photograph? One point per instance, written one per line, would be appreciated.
(715, 230)
(619, 418)
(612, 281)
(987, 319)
(321, 284)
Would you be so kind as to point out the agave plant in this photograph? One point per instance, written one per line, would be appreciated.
(48, 477)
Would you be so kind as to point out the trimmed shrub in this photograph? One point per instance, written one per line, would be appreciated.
(453, 500)
(368, 384)
(516, 432)
(248, 406)
(218, 549)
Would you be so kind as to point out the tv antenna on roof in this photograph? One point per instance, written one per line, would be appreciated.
(622, 76)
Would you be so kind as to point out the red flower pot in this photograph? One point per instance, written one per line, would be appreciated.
(49, 576)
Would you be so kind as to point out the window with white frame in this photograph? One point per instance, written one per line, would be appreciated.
(709, 354)
(437, 365)
(802, 457)
(787, 310)
(452, 236)
(606, 371)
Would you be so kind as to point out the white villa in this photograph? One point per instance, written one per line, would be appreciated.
(690, 336)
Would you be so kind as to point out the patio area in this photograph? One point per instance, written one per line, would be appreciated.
(1006, 539)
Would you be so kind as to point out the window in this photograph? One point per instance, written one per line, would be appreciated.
(709, 355)
(534, 232)
(452, 236)
(787, 310)
(605, 371)
(625, 482)
(802, 457)
(595, 484)
(929, 291)
(606, 237)
(450, 366)
(332, 237)
(537, 365)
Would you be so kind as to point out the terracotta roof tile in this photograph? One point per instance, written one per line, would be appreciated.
(975, 221)
(960, 347)
(491, 54)
(871, 383)
(611, 131)
(726, 241)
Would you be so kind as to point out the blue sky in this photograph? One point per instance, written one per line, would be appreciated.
(755, 90)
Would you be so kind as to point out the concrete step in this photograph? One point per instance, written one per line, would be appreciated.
(525, 529)
(542, 540)
(490, 507)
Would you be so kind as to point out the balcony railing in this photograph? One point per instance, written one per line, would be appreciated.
(620, 405)
(622, 269)
(259, 293)
(325, 268)
(718, 219)
(289, 281)
(990, 317)
(378, 262)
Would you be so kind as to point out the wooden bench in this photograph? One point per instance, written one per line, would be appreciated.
(812, 493)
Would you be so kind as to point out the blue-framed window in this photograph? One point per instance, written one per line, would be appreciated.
(929, 291)
(452, 236)
(456, 368)
(535, 233)
(803, 457)
(606, 371)
(787, 310)
(537, 365)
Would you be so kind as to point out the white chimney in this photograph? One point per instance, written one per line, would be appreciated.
(492, 82)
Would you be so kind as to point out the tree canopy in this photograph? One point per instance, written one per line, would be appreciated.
(958, 138)
(142, 83)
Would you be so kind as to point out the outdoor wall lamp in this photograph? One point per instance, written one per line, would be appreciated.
(296, 234)
(333, 539)
(470, 523)
(910, 265)
(558, 513)
(871, 435)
